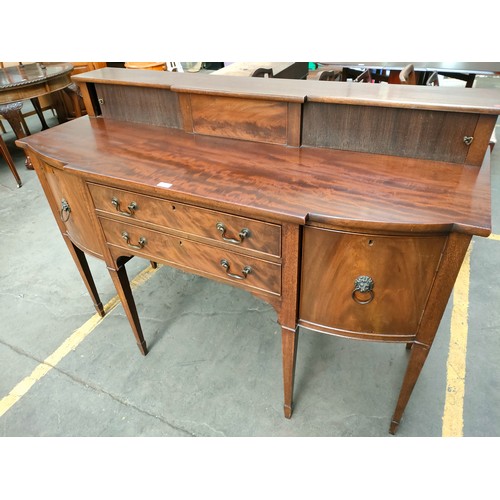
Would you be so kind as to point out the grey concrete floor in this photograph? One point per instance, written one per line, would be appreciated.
(214, 366)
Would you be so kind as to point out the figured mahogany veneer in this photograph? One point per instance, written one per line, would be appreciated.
(187, 220)
(348, 207)
(402, 268)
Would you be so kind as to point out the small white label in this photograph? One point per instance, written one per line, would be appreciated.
(164, 185)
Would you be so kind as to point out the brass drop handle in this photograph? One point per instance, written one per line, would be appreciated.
(142, 241)
(65, 211)
(246, 270)
(363, 285)
(244, 233)
(131, 207)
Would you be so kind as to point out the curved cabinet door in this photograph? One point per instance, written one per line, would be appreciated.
(367, 286)
(71, 202)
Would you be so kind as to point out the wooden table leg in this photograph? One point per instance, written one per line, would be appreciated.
(60, 107)
(10, 163)
(122, 285)
(415, 364)
(39, 112)
(289, 341)
(84, 270)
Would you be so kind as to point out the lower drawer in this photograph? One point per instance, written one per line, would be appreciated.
(236, 268)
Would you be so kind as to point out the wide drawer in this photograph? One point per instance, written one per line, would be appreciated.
(201, 258)
(367, 285)
(236, 231)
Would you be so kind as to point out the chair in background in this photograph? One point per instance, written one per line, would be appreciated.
(71, 95)
(8, 158)
(407, 75)
(331, 75)
(76, 106)
(263, 73)
(365, 76)
(433, 79)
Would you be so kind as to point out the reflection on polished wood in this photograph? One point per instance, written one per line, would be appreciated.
(30, 81)
(18, 83)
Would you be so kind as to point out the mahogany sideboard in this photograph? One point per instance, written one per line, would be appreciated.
(348, 207)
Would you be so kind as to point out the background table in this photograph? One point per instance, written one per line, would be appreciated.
(29, 81)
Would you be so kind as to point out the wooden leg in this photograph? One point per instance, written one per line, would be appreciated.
(409, 345)
(84, 270)
(122, 285)
(58, 103)
(289, 340)
(154, 264)
(14, 117)
(8, 158)
(416, 362)
(39, 112)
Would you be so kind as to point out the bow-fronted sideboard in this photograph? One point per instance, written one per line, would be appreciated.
(348, 207)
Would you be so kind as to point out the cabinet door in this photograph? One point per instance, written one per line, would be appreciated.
(368, 286)
(71, 201)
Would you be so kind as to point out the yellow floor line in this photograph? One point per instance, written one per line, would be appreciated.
(453, 421)
(70, 344)
(494, 237)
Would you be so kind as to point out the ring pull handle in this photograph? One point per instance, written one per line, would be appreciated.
(246, 270)
(131, 207)
(65, 211)
(468, 140)
(244, 233)
(142, 241)
(363, 285)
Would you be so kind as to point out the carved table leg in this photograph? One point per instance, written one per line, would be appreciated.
(289, 340)
(417, 359)
(84, 270)
(122, 285)
(12, 113)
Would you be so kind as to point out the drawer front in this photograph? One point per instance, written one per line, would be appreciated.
(236, 231)
(233, 267)
(399, 270)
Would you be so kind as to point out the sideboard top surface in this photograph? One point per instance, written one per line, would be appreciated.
(486, 101)
(296, 184)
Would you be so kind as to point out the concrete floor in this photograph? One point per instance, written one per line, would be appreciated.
(214, 366)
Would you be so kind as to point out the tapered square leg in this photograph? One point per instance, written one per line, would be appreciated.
(289, 340)
(122, 285)
(416, 362)
(84, 270)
